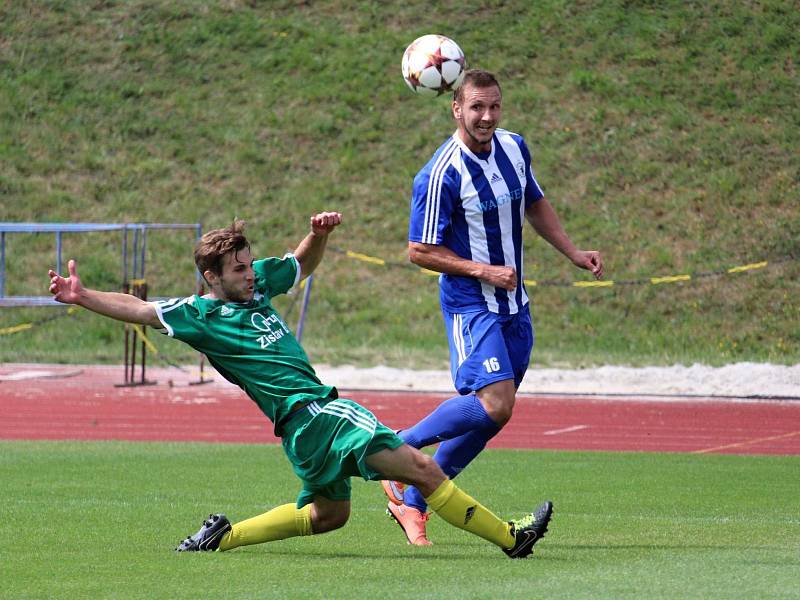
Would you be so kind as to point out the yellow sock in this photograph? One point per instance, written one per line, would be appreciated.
(463, 511)
(280, 523)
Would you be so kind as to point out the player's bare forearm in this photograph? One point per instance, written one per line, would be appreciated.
(310, 250)
(122, 307)
(545, 221)
(309, 253)
(443, 260)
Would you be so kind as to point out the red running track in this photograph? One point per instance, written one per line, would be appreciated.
(83, 403)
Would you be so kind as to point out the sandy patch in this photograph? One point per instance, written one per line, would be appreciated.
(740, 380)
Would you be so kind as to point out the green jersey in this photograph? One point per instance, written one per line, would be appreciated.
(248, 343)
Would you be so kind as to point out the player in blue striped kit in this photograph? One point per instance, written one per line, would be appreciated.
(468, 208)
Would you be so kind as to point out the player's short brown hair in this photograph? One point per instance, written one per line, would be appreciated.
(477, 78)
(214, 245)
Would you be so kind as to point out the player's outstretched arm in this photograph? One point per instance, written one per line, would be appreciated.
(443, 260)
(310, 250)
(122, 307)
(545, 221)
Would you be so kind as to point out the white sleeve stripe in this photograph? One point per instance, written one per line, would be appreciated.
(173, 304)
(435, 193)
(160, 315)
(296, 267)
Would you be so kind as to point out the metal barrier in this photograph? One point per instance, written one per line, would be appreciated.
(133, 259)
(133, 253)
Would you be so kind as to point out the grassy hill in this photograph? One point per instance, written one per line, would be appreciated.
(665, 134)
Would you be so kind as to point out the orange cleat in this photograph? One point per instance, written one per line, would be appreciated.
(411, 521)
(394, 490)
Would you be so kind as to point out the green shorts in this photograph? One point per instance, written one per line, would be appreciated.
(328, 442)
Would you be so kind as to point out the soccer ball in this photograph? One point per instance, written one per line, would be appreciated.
(433, 65)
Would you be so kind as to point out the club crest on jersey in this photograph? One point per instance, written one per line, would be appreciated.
(521, 168)
(273, 328)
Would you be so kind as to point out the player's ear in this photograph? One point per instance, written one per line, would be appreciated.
(456, 110)
(210, 277)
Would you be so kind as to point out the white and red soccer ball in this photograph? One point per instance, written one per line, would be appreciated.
(433, 65)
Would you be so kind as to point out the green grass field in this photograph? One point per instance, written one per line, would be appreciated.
(664, 133)
(99, 520)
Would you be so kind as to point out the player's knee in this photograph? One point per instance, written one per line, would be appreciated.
(337, 521)
(499, 409)
(498, 401)
(428, 473)
(500, 413)
(329, 521)
(426, 464)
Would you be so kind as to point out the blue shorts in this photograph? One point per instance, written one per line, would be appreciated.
(486, 347)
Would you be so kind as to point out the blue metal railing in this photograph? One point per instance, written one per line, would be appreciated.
(129, 271)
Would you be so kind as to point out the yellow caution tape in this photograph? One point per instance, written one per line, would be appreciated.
(758, 265)
(25, 326)
(672, 279)
(379, 261)
(142, 336)
(366, 258)
(16, 328)
(585, 284)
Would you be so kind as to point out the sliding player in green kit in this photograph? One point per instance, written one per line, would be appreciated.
(326, 438)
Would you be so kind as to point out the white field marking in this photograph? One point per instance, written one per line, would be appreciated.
(747, 442)
(22, 375)
(566, 429)
(198, 400)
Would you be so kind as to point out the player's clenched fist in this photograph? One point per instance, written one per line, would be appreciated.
(324, 223)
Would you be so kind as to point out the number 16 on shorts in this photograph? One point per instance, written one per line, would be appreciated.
(492, 365)
(486, 347)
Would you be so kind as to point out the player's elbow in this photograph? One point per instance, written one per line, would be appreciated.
(149, 317)
(416, 254)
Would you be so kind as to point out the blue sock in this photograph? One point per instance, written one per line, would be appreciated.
(453, 455)
(452, 418)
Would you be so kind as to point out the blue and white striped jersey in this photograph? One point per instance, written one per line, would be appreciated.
(475, 206)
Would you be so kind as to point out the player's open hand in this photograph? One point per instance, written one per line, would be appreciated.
(324, 223)
(591, 261)
(67, 290)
